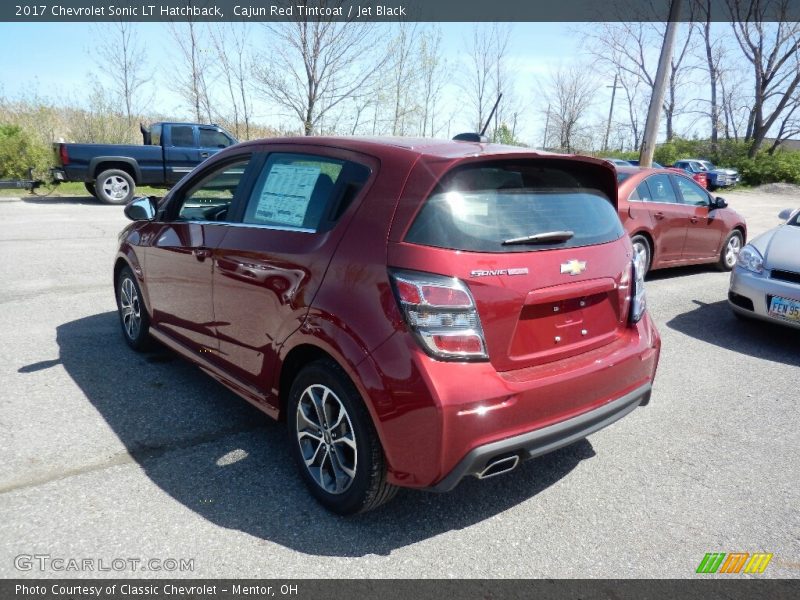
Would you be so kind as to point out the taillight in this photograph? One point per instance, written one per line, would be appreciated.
(63, 154)
(441, 312)
(638, 297)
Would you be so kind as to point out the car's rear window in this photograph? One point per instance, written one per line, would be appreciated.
(478, 208)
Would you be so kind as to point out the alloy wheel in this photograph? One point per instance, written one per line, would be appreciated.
(130, 308)
(116, 187)
(326, 438)
(732, 250)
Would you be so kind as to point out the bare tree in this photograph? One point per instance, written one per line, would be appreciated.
(502, 82)
(123, 60)
(485, 76)
(569, 93)
(636, 104)
(315, 64)
(432, 74)
(771, 43)
(192, 78)
(628, 49)
(735, 107)
(403, 74)
(231, 48)
(477, 80)
(713, 53)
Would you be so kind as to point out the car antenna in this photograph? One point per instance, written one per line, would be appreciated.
(479, 137)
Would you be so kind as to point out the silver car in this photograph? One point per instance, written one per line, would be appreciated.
(765, 283)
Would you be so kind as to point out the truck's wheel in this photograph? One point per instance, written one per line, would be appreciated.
(90, 188)
(114, 187)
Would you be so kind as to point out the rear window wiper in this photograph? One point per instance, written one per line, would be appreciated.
(542, 238)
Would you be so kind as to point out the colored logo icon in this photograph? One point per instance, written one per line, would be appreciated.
(734, 562)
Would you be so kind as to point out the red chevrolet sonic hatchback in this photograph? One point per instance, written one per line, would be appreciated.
(416, 310)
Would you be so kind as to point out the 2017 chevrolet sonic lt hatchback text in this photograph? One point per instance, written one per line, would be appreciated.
(416, 310)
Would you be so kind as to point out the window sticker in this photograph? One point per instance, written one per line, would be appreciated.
(286, 194)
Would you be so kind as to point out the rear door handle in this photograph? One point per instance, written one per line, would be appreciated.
(204, 155)
(659, 215)
(694, 219)
(201, 253)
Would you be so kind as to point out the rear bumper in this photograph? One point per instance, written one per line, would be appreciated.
(546, 439)
(439, 422)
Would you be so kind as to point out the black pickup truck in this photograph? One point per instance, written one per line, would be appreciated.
(111, 172)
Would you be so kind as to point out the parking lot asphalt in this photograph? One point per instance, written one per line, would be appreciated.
(112, 454)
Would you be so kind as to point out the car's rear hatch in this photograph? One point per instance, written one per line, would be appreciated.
(561, 293)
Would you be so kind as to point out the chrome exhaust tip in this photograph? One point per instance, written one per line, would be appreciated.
(499, 466)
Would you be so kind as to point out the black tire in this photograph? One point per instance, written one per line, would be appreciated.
(342, 440)
(133, 317)
(730, 250)
(90, 188)
(114, 187)
(642, 246)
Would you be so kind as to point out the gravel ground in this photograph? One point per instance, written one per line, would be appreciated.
(111, 454)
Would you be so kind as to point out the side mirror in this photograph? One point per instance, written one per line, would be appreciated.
(720, 202)
(140, 209)
(785, 214)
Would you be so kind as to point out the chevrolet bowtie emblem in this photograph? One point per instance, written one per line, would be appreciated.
(573, 267)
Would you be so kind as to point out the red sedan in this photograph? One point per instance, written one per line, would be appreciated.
(673, 221)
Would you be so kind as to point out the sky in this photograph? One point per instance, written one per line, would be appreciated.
(54, 60)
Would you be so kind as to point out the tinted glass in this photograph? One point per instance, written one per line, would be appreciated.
(661, 189)
(622, 176)
(182, 136)
(294, 191)
(692, 193)
(210, 138)
(155, 135)
(478, 208)
(211, 197)
(642, 193)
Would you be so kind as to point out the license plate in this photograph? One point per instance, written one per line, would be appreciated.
(784, 308)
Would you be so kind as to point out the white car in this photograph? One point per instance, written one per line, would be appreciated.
(765, 283)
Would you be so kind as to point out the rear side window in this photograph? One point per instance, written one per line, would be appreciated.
(641, 193)
(182, 136)
(304, 192)
(661, 189)
(483, 208)
(155, 135)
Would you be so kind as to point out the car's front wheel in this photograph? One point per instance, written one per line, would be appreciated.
(334, 442)
(730, 251)
(133, 317)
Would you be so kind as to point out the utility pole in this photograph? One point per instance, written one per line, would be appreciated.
(657, 99)
(610, 110)
(546, 126)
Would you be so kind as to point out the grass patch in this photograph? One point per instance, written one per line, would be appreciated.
(75, 189)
